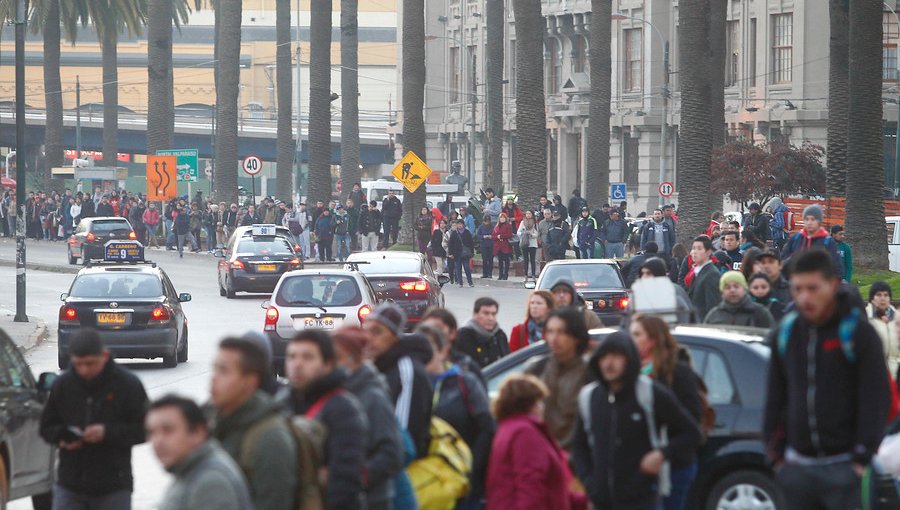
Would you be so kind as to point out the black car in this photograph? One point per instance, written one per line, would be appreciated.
(88, 241)
(27, 462)
(598, 281)
(733, 470)
(133, 306)
(254, 263)
(276, 230)
(404, 277)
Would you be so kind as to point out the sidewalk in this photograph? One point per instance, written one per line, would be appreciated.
(26, 335)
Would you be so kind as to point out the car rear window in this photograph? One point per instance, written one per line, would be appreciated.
(319, 290)
(276, 246)
(110, 226)
(391, 266)
(584, 276)
(116, 285)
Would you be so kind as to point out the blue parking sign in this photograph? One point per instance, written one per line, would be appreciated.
(618, 191)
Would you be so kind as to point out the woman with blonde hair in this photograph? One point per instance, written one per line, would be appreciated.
(540, 305)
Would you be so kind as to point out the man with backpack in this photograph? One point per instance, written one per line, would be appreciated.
(557, 238)
(813, 235)
(619, 451)
(251, 427)
(828, 391)
(317, 393)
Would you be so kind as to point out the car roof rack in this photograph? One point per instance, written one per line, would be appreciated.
(90, 264)
(354, 264)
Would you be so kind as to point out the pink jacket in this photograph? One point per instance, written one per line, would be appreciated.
(527, 470)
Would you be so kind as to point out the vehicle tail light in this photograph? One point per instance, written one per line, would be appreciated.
(364, 312)
(237, 264)
(160, 315)
(297, 248)
(271, 318)
(295, 263)
(623, 303)
(132, 235)
(417, 285)
(90, 237)
(68, 315)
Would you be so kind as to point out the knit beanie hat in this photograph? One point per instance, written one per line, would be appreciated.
(390, 316)
(352, 339)
(814, 210)
(732, 277)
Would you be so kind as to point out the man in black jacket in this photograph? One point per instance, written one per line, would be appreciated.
(758, 222)
(104, 208)
(702, 284)
(828, 393)
(317, 392)
(94, 414)
(402, 361)
(392, 211)
(615, 450)
(369, 227)
(481, 338)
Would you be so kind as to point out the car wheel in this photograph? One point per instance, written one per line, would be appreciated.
(183, 351)
(42, 501)
(171, 361)
(72, 259)
(4, 485)
(229, 291)
(221, 289)
(745, 489)
(63, 361)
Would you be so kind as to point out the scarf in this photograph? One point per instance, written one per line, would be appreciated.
(689, 277)
(535, 331)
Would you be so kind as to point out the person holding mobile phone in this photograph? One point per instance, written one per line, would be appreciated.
(94, 414)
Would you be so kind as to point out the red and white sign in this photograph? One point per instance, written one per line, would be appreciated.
(339, 185)
(666, 189)
(252, 165)
(97, 155)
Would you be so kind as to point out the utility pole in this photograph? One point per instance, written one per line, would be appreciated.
(299, 145)
(474, 99)
(664, 126)
(21, 316)
(77, 116)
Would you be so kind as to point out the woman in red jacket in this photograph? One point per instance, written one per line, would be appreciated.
(540, 304)
(527, 470)
(503, 232)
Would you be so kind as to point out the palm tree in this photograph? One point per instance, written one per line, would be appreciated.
(838, 97)
(284, 159)
(319, 101)
(531, 116)
(228, 79)
(718, 14)
(493, 150)
(54, 155)
(695, 144)
(865, 153)
(597, 175)
(161, 15)
(413, 48)
(350, 171)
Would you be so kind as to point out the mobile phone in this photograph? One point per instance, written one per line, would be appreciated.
(72, 434)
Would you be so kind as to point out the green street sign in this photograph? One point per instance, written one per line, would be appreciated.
(188, 165)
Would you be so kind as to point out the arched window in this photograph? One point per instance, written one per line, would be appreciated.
(555, 65)
(579, 54)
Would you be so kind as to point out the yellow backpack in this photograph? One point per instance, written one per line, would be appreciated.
(441, 478)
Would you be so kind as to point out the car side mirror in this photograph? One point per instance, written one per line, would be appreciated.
(219, 254)
(63, 296)
(443, 279)
(531, 285)
(265, 305)
(45, 382)
(184, 297)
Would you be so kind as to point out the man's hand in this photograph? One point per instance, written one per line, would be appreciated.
(74, 445)
(652, 462)
(859, 469)
(94, 433)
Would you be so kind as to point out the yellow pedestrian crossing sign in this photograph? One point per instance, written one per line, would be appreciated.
(412, 172)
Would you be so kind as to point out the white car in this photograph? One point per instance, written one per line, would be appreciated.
(320, 298)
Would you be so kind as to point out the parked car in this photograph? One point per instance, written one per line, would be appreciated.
(27, 462)
(88, 241)
(598, 281)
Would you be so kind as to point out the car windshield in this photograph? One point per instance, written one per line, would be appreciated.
(319, 290)
(275, 246)
(584, 276)
(108, 227)
(391, 266)
(117, 286)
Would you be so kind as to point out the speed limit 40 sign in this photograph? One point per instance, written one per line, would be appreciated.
(666, 189)
(252, 165)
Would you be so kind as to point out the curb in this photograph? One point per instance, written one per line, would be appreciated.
(504, 284)
(43, 267)
(41, 333)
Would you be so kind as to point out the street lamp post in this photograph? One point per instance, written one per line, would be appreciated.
(665, 92)
(20, 162)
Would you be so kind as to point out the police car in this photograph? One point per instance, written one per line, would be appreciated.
(131, 302)
(254, 259)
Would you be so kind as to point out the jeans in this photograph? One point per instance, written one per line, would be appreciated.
(64, 499)
(324, 246)
(170, 234)
(180, 239)
(151, 234)
(615, 250)
(343, 246)
(451, 269)
(210, 237)
(825, 487)
(530, 257)
(304, 244)
(681, 478)
(459, 266)
(586, 252)
(504, 265)
(391, 230)
(487, 263)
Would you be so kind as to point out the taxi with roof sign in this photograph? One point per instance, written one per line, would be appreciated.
(254, 260)
(89, 240)
(131, 302)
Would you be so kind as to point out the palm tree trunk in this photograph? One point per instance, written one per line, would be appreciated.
(350, 171)
(285, 136)
(718, 13)
(413, 48)
(597, 175)
(531, 115)
(320, 101)
(865, 152)
(228, 71)
(109, 40)
(838, 97)
(695, 143)
(161, 101)
(493, 157)
(53, 130)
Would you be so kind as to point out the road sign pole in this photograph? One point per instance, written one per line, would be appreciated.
(20, 162)
(253, 188)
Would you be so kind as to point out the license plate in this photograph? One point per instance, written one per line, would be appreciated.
(268, 268)
(114, 319)
(313, 323)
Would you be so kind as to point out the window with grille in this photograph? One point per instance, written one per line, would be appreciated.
(632, 60)
(454, 75)
(631, 170)
(579, 54)
(732, 52)
(782, 47)
(511, 58)
(889, 47)
(555, 66)
(751, 53)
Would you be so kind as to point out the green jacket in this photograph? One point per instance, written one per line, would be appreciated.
(846, 256)
(271, 470)
(207, 478)
(744, 313)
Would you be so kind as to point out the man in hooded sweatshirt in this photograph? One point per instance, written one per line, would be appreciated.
(481, 338)
(614, 453)
(813, 234)
(564, 295)
(736, 308)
